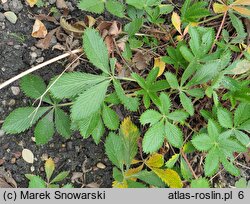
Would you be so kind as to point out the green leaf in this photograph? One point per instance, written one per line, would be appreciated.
(245, 126)
(238, 25)
(187, 103)
(98, 132)
(150, 116)
(95, 6)
(165, 103)
(213, 129)
(229, 166)
(197, 93)
(33, 86)
(225, 118)
(203, 142)
(133, 27)
(110, 118)
(60, 177)
(74, 83)
(96, 50)
(62, 123)
(153, 138)
(172, 80)
(36, 182)
(231, 145)
(200, 183)
(171, 162)
(150, 177)
(174, 135)
(114, 149)
(212, 162)
(115, 7)
(178, 116)
(242, 137)
(130, 103)
(89, 101)
(241, 114)
(242, 183)
(139, 4)
(88, 125)
(44, 130)
(22, 119)
(185, 171)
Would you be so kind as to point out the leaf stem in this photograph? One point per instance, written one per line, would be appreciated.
(125, 79)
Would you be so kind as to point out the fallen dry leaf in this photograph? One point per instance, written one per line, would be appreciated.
(141, 61)
(28, 156)
(89, 21)
(61, 4)
(6, 180)
(39, 30)
(46, 42)
(76, 29)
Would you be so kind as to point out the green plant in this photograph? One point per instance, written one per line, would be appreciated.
(38, 182)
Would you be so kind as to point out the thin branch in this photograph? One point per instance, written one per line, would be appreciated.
(189, 166)
(38, 67)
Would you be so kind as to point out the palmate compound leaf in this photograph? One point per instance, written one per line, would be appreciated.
(96, 50)
(174, 135)
(110, 118)
(95, 6)
(170, 177)
(89, 101)
(33, 86)
(22, 119)
(74, 83)
(114, 149)
(153, 138)
(44, 130)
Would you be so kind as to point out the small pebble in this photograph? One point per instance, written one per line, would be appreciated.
(12, 102)
(40, 59)
(32, 168)
(13, 160)
(44, 157)
(15, 90)
(2, 133)
(100, 165)
(52, 1)
(33, 55)
(16, 6)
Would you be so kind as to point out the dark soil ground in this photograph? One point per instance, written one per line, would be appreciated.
(16, 50)
(17, 54)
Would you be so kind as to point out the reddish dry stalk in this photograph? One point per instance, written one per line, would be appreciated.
(219, 31)
(189, 166)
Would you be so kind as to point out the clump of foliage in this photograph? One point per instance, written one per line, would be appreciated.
(195, 100)
(38, 182)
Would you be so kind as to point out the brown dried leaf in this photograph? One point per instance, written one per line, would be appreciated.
(61, 4)
(39, 30)
(141, 61)
(93, 185)
(43, 17)
(76, 29)
(45, 43)
(6, 180)
(110, 44)
(89, 21)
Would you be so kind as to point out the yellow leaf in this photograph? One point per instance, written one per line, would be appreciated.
(155, 161)
(220, 8)
(170, 177)
(132, 171)
(128, 128)
(39, 30)
(159, 63)
(49, 168)
(241, 10)
(117, 184)
(241, 2)
(135, 161)
(176, 21)
(32, 2)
